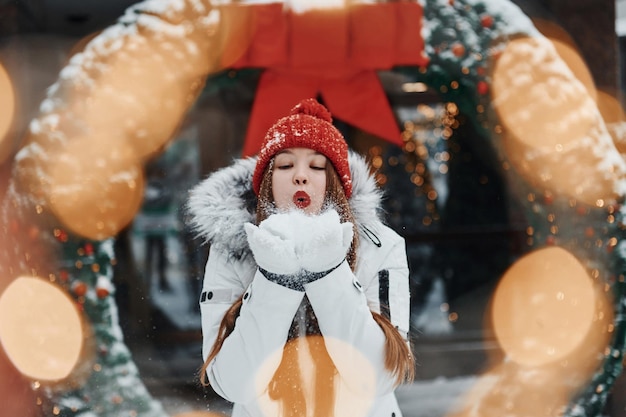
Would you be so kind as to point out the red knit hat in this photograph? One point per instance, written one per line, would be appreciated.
(309, 125)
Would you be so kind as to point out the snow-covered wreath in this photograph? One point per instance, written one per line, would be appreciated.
(78, 178)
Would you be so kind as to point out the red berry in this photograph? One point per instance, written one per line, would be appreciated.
(486, 21)
(102, 292)
(79, 288)
(482, 87)
(458, 49)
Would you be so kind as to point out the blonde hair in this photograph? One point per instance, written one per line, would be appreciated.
(398, 356)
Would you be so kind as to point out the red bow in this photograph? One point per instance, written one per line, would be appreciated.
(333, 53)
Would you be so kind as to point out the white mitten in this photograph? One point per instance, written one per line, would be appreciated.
(272, 250)
(322, 241)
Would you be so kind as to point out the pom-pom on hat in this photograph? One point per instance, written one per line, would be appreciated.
(309, 125)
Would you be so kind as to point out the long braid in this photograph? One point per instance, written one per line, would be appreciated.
(226, 328)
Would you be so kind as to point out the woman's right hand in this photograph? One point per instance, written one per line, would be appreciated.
(272, 246)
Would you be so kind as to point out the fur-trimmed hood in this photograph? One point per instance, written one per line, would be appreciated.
(221, 204)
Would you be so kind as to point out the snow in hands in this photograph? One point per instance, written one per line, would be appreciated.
(299, 246)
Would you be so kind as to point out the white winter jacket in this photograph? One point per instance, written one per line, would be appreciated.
(240, 373)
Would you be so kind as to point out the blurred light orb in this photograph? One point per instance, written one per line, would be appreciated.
(553, 128)
(355, 388)
(40, 329)
(7, 112)
(614, 117)
(508, 390)
(610, 108)
(132, 102)
(577, 65)
(237, 26)
(543, 307)
(568, 51)
(535, 101)
(95, 189)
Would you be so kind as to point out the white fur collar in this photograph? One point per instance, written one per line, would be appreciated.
(219, 206)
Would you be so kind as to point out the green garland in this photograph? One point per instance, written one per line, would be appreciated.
(113, 386)
(467, 85)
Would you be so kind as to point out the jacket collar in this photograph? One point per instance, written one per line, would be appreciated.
(219, 205)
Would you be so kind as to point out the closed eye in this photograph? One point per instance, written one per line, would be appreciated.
(284, 166)
(318, 168)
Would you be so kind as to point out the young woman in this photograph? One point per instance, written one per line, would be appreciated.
(305, 300)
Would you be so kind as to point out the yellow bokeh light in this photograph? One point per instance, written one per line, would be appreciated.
(610, 108)
(554, 134)
(508, 390)
(567, 50)
(140, 93)
(577, 65)
(355, 387)
(95, 189)
(40, 329)
(613, 115)
(7, 112)
(135, 104)
(237, 28)
(535, 100)
(543, 307)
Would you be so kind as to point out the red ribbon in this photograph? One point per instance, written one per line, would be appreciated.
(332, 53)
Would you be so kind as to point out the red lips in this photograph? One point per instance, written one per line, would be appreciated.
(301, 199)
